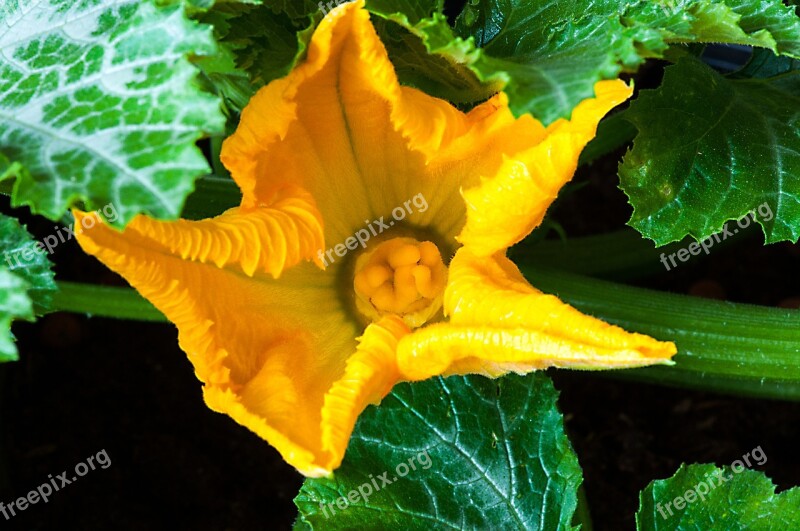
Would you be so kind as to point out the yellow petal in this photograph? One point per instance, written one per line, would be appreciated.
(341, 126)
(507, 205)
(500, 323)
(370, 375)
(267, 350)
(264, 238)
(333, 126)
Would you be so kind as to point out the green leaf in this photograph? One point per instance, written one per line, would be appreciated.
(767, 24)
(428, 56)
(489, 454)
(28, 260)
(711, 149)
(98, 101)
(743, 500)
(268, 45)
(406, 12)
(779, 21)
(257, 43)
(14, 304)
(763, 64)
(26, 278)
(550, 53)
(221, 75)
(8, 172)
(296, 9)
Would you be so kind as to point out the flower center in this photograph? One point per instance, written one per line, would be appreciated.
(401, 276)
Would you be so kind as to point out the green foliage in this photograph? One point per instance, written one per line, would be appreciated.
(767, 24)
(551, 65)
(711, 148)
(98, 102)
(718, 498)
(257, 43)
(14, 304)
(26, 281)
(406, 12)
(265, 42)
(427, 55)
(546, 68)
(498, 457)
(771, 21)
(295, 9)
(27, 260)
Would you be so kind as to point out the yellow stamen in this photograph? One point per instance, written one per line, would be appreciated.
(377, 275)
(401, 276)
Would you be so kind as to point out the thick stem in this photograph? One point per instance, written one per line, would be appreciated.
(722, 346)
(619, 255)
(104, 301)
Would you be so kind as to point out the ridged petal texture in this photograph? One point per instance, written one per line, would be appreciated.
(270, 325)
(499, 323)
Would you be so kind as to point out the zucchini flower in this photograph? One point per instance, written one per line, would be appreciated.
(369, 248)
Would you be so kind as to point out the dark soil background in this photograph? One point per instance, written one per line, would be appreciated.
(89, 384)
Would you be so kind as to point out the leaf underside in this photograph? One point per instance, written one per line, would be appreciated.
(99, 102)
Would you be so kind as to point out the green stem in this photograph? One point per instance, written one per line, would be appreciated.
(104, 301)
(622, 254)
(722, 346)
(619, 255)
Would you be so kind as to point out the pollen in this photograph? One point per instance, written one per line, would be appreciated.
(403, 277)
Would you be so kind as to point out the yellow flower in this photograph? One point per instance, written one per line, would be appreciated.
(372, 210)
